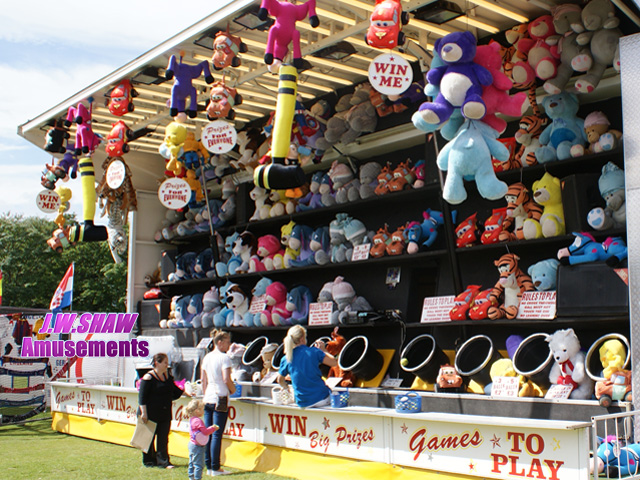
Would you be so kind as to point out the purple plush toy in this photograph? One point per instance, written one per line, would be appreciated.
(183, 86)
(460, 80)
(86, 140)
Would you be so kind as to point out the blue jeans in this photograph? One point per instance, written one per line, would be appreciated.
(212, 453)
(196, 460)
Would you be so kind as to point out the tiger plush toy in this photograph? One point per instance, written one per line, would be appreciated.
(520, 206)
(531, 126)
(507, 292)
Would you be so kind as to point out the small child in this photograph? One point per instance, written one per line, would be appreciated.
(198, 438)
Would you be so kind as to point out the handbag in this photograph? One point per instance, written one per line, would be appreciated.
(143, 435)
(223, 404)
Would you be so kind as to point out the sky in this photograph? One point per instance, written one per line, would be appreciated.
(49, 51)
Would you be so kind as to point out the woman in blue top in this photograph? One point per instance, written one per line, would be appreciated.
(302, 364)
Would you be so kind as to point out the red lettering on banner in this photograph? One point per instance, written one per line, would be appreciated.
(419, 442)
(517, 468)
(116, 403)
(293, 421)
(354, 438)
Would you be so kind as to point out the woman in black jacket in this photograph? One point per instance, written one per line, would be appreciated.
(157, 392)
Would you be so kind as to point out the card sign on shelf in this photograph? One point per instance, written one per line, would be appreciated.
(559, 392)
(320, 313)
(174, 193)
(269, 378)
(537, 305)
(391, 382)
(332, 382)
(361, 252)
(390, 74)
(219, 136)
(115, 174)
(48, 201)
(505, 387)
(436, 309)
(258, 303)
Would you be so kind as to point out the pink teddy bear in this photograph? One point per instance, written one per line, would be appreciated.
(276, 312)
(496, 96)
(542, 56)
(269, 249)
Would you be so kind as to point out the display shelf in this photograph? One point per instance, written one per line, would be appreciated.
(368, 325)
(560, 240)
(416, 258)
(562, 168)
(559, 322)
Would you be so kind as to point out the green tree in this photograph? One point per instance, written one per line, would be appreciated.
(32, 271)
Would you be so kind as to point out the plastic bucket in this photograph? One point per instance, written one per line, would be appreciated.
(593, 365)
(475, 357)
(277, 356)
(408, 403)
(423, 358)
(251, 355)
(533, 359)
(360, 358)
(238, 392)
(339, 399)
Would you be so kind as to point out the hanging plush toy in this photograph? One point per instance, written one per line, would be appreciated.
(55, 139)
(223, 99)
(226, 48)
(385, 31)
(117, 139)
(121, 98)
(86, 140)
(283, 31)
(460, 80)
(468, 156)
(277, 175)
(172, 148)
(116, 204)
(183, 86)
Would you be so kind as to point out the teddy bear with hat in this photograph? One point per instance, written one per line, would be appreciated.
(346, 299)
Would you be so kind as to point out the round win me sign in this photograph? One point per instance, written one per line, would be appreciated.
(219, 136)
(390, 74)
(48, 201)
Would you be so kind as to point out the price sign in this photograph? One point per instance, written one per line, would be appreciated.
(436, 309)
(115, 174)
(391, 382)
(505, 387)
(559, 392)
(332, 382)
(174, 193)
(541, 305)
(269, 378)
(390, 74)
(219, 136)
(48, 201)
(258, 304)
(360, 252)
(320, 313)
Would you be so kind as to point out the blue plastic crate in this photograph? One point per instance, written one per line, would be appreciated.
(339, 399)
(408, 403)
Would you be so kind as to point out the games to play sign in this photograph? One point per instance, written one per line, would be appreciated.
(390, 74)
(219, 136)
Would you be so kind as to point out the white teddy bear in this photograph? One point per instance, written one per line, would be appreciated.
(569, 366)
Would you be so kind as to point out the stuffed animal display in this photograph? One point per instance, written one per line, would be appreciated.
(611, 186)
(569, 367)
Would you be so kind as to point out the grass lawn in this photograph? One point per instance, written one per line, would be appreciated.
(35, 452)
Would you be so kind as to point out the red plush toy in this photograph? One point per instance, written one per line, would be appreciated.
(463, 302)
(542, 57)
(467, 232)
(385, 25)
(334, 347)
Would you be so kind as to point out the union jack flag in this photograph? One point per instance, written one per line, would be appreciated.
(63, 296)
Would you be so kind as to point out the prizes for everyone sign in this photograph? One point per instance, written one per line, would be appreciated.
(48, 201)
(174, 193)
(219, 136)
(115, 174)
(390, 74)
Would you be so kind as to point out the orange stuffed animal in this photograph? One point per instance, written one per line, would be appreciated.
(334, 347)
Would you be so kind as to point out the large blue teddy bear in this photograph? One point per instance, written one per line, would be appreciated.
(544, 274)
(468, 157)
(565, 129)
(460, 80)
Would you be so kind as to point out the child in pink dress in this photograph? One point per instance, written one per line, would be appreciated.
(198, 438)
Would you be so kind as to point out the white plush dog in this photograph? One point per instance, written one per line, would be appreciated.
(569, 368)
